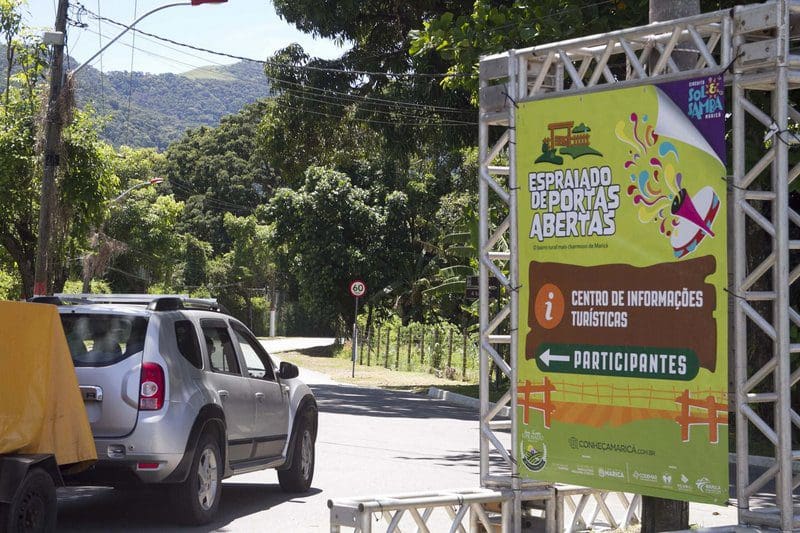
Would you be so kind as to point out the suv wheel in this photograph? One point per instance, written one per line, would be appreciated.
(198, 496)
(297, 478)
(33, 508)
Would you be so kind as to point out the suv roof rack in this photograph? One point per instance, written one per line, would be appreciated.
(154, 302)
(130, 299)
(54, 300)
(173, 303)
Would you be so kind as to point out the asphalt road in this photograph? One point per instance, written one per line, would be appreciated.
(371, 442)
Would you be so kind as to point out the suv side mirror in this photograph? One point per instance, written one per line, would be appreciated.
(288, 370)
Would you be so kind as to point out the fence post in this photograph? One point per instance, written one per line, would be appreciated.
(386, 359)
(464, 357)
(450, 351)
(360, 344)
(410, 342)
(397, 353)
(377, 347)
(422, 347)
(435, 350)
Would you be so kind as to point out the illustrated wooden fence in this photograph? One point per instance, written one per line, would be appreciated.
(645, 396)
(527, 403)
(712, 417)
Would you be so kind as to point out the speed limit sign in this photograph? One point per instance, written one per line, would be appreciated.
(358, 288)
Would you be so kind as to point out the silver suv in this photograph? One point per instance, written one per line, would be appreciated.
(178, 392)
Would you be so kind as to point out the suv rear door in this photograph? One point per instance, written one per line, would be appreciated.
(271, 398)
(107, 353)
(225, 376)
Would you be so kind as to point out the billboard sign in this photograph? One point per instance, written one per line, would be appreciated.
(622, 347)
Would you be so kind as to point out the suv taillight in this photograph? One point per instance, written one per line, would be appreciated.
(151, 387)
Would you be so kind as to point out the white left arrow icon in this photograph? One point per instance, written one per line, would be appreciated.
(546, 357)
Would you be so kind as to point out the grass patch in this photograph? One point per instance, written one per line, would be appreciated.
(340, 369)
(321, 359)
(208, 73)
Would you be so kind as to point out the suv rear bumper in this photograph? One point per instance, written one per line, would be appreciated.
(125, 471)
(149, 454)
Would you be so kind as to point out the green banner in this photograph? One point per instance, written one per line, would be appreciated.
(622, 348)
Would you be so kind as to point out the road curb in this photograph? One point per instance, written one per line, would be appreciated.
(460, 399)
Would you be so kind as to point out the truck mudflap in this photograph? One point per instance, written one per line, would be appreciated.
(14, 467)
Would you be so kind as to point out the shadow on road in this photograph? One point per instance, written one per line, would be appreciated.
(344, 399)
(470, 458)
(316, 351)
(150, 509)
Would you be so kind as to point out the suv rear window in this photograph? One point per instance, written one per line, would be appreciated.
(102, 340)
(188, 345)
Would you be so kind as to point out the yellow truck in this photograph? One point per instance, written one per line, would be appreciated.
(44, 430)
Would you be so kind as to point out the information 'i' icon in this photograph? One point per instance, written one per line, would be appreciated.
(549, 306)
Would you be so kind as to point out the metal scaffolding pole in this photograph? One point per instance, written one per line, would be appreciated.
(780, 186)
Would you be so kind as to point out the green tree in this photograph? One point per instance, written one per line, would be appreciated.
(195, 273)
(330, 232)
(247, 269)
(145, 225)
(460, 37)
(84, 178)
(216, 171)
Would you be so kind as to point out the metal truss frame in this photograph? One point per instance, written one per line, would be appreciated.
(753, 42)
(477, 509)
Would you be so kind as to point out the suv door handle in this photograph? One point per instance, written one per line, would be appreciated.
(223, 394)
(260, 396)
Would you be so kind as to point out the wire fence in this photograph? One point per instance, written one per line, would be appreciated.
(440, 349)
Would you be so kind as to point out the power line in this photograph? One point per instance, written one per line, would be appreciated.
(220, 205)
(100, 39)
(130, 78)
(306, 87)
(337, 96)
(393, 107)
(203, 66)
(184, 63)
(125, 273)
(275, 63)
(372, 121)
(371, 99)
(396, 111)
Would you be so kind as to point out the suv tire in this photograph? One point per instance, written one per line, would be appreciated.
(198, 497)
(298, 477)
(33, 508)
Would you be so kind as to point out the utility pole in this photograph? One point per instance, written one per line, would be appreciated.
(52, 143)
(662, 514)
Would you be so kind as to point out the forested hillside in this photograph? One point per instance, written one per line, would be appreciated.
(154, 110)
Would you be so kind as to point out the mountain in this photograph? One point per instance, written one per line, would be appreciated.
(153, 110)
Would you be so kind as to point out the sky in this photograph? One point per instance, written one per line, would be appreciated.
(248, 28)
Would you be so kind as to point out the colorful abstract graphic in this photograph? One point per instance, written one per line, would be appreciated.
(659, 190)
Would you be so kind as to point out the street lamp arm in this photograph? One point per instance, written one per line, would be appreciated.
(151, 181)
(123, 32)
